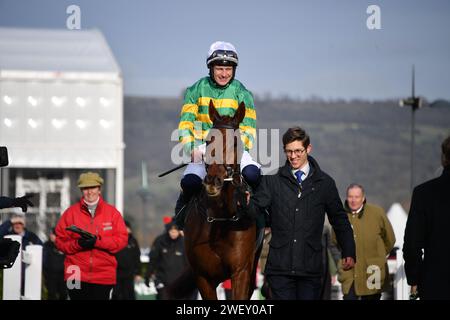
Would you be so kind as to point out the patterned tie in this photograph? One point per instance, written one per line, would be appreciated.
(299, 175)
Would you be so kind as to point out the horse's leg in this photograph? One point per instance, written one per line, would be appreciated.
(241, 284)
(206, 288)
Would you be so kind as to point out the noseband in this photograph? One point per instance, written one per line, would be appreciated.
(231, 174)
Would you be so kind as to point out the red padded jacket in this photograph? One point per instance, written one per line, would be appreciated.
(97, 265)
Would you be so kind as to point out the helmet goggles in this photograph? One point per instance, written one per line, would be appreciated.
(223, 57)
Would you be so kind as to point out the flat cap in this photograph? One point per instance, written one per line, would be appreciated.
(89, 179)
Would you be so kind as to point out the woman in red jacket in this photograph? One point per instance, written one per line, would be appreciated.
(90, 264)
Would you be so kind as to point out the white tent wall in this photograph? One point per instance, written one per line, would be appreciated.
(61, 106)
(61, 124)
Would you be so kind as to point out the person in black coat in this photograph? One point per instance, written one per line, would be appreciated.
(128, 268)
(425, 248)
(298, 196)
(167, 260)
(53, 269)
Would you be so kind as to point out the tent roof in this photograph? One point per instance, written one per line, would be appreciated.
(56, 51)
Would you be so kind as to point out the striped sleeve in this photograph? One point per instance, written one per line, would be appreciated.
(248, 125)
(188, 116)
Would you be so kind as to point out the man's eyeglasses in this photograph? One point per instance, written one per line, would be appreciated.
(297, 152)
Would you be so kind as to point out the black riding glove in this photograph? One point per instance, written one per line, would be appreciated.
(9, 249)
(87, 243)
(23, 202)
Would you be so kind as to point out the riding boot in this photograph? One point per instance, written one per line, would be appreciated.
(190, 185)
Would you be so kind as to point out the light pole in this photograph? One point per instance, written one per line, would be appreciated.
(144, 193)
(415, 103)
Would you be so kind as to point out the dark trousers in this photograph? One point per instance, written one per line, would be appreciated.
(91, 291)
(352, 295)
(325, 293)
(124, 289)
(265, 290)
(294, 287)
(163, 294)
(56, 286)
(227, 294)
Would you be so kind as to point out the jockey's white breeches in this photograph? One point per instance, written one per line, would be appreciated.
(200, 171)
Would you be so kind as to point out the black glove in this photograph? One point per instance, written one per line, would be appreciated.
(9, 249)
(23, 202)
(87, 243)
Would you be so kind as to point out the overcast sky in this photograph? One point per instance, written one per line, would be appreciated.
(298, 48)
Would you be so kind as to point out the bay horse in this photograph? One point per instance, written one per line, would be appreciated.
(220, 230)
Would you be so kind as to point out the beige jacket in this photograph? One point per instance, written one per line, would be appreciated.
(374, 239)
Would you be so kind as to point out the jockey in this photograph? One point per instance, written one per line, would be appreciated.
(226, 93)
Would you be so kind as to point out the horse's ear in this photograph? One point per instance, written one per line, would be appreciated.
(213, 114)
(240, 113)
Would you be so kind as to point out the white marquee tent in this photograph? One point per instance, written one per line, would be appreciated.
(61, 107)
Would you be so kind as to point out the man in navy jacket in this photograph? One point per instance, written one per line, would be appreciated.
(298, 196)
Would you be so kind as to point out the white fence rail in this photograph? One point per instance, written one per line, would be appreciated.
(12, 278)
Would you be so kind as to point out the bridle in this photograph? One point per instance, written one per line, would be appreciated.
(229, 168)
(233, 175)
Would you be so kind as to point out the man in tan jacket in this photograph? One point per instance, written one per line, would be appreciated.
(374, 239)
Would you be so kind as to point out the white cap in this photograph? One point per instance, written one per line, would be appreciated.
(221, 45)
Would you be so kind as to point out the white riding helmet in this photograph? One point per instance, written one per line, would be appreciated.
(222, 53)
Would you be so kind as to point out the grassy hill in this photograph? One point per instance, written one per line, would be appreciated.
(367, 142)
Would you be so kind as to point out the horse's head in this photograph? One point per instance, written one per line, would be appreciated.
(220, 233)
(224, 150)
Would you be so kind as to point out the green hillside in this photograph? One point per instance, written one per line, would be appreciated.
(367, 142)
